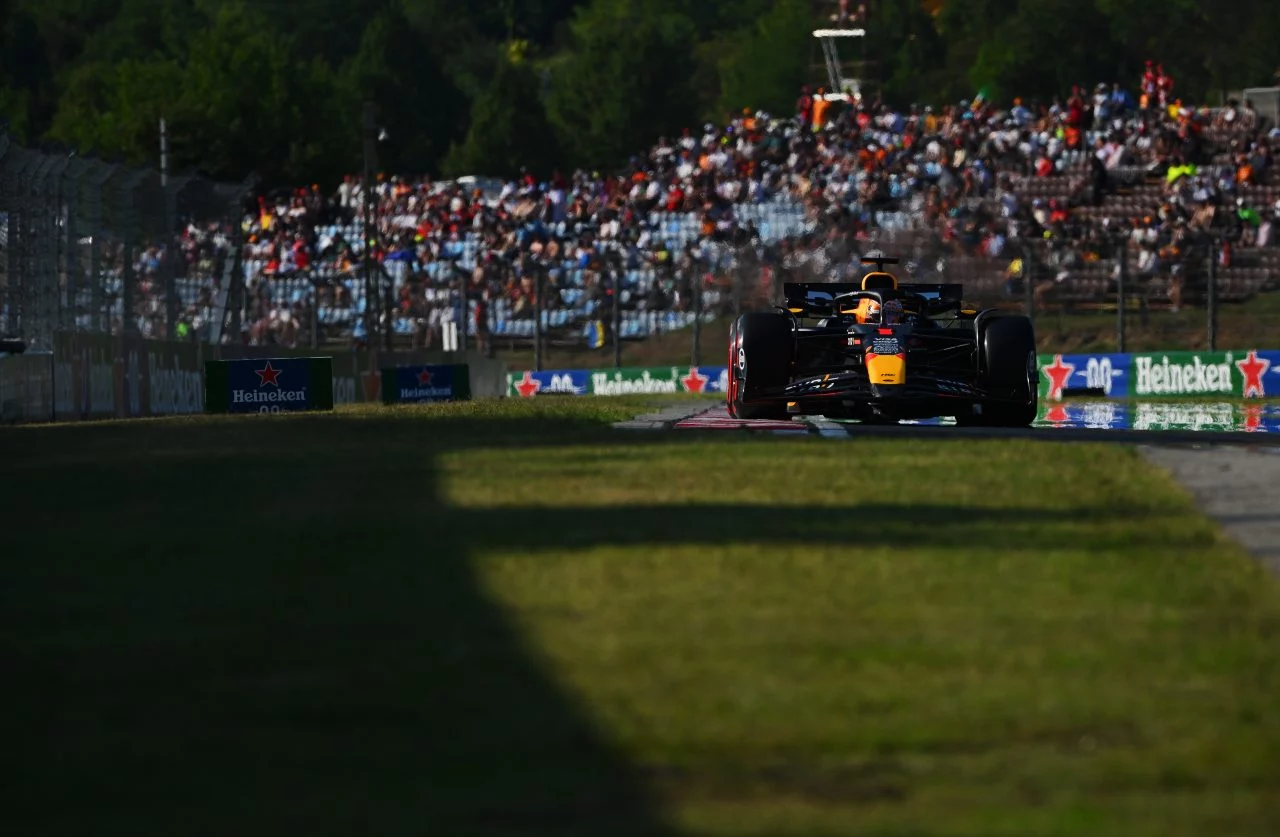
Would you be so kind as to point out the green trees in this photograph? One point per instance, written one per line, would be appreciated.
(276, 86)
(508, 126)
(624, 79)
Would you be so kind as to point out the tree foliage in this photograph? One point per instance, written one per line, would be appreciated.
(276, 87)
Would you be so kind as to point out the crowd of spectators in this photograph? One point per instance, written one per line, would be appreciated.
(763, 197)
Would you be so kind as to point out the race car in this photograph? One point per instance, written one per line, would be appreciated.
(882, 352)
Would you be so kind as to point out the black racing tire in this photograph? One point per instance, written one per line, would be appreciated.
(729, 396)
(1009, 372)
(760, 349)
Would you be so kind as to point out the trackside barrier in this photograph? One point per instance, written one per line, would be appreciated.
(425, 384)
(646, 380)
(269, 385)
(1246, 373)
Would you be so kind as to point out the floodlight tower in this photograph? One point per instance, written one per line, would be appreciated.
(841, 87)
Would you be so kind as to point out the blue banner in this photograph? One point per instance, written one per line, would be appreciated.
(549, 382)
(269, 385)
(1219, 416)
(1109, 372)
(425, 384)
(624, 381)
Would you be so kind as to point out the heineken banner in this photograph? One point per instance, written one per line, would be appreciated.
(423, 384)
(1242, 374)
(269, 385)
(1220, 416)
(626, 381)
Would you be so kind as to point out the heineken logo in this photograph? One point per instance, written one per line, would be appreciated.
(528, 385)
(1058, 373)
(1253, 368)
(274, 385)
(695, 381)
(560, 383)
(1165, 378)
(409, 393)
(274, 396)
(268, 375)
(644, 384)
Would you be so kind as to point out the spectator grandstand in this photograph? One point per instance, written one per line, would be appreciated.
(1078, 185)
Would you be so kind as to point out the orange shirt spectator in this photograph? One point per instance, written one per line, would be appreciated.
(820, 105)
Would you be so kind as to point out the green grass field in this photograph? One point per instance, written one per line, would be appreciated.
(508, 618)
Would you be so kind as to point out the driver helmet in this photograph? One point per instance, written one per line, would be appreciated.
(892, 312)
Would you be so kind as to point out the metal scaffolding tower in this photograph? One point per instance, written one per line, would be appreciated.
(841, 87)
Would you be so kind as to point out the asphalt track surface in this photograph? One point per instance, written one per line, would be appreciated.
(1233, 476)
(715, 418)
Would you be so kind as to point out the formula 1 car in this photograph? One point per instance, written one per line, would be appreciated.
(881, 352)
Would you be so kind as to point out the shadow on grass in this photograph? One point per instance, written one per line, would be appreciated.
(273, 626)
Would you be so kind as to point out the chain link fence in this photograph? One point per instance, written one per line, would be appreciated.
(88, 246)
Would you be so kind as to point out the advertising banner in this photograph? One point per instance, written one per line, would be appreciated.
(527, 384)
(1241, 374)
(270, 385)
(1167, 415)
(424, 384)
(625, 381)
(1109, 373)
(106, 376)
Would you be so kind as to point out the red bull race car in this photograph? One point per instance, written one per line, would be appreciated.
(883, 352)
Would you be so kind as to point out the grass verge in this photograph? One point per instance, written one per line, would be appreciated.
(506, 618)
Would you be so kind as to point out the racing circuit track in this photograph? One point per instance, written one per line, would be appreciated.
(1231, 474)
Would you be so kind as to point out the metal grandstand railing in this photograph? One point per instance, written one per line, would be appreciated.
(87, 245)
(328, 301)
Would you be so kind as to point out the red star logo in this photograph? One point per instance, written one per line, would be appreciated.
(424, 377)
(268, 375)
(1058, 373)
(1057, 413)
(1253, 368)
(694, 381)
(528, 386)
(1253, 418)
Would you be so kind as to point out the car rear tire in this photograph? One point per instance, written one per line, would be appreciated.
(760, 347)
(1008, 371)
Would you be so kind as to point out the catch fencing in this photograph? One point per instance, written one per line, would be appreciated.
(1102, 296)
(92, 247)
(111, 279)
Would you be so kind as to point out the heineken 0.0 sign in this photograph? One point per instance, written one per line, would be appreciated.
(269, 385)
(424, 384)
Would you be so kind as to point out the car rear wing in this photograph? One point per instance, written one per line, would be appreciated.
(817, 299)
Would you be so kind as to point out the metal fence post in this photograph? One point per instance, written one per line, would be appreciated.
(370, 151)
(1121, 295)
(615, 318)
(1212, 302)
(695, 287)
(537, 320)
(315, 312)
(464, 327)
(1028, 284)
